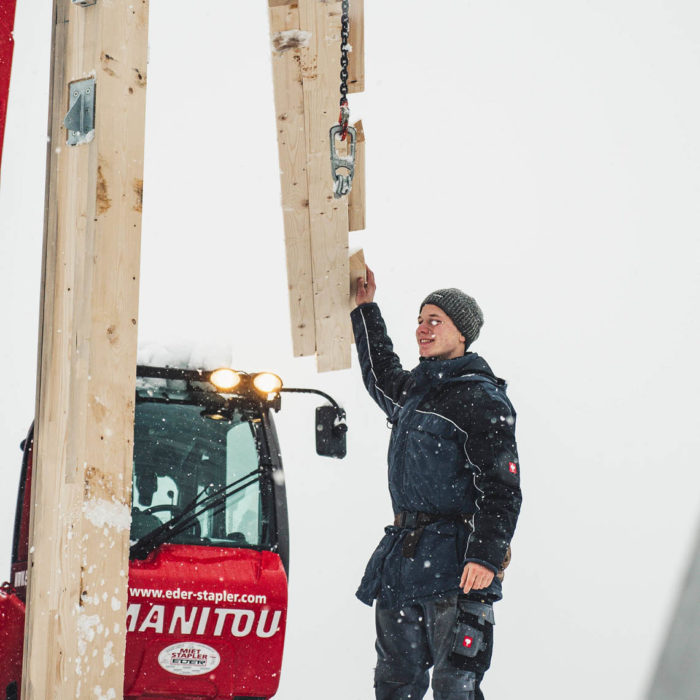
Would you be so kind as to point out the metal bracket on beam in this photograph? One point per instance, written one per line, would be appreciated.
(342, 181)
(80, 120)
(84, 3)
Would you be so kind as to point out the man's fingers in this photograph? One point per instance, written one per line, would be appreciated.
(365, 288)
(471, 578)
(361, 290)
(370, 278)
(475, 577)
(483, 581)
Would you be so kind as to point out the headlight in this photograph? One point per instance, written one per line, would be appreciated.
(225, 379)
(267, 383)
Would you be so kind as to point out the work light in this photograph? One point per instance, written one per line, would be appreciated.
(267, 383)
(225, 379)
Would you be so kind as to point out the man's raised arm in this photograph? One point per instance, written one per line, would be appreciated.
(382, 373)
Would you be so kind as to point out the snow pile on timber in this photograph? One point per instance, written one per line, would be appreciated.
(102, 513)
(185, 355)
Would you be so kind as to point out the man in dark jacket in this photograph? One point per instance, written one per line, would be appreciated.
(454, 483)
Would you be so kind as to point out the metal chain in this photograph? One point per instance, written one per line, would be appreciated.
(343, 167)
(344, 46)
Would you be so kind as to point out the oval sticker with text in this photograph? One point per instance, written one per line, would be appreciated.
(189, 659)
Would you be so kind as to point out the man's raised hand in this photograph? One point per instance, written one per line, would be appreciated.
(365, 291)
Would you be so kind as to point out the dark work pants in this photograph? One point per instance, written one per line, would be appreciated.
(412, 640)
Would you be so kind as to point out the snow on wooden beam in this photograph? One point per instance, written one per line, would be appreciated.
(79, 527)
(287, 40)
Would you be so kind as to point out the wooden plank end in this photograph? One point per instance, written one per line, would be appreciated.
(358, 269)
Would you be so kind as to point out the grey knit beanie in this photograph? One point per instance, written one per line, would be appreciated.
(462, 310)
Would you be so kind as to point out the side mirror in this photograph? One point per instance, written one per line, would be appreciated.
(331, 430)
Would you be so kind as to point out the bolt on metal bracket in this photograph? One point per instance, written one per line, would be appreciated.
(80, 120)
(84, 3)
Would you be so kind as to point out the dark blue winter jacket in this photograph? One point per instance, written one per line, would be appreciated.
(452, 453)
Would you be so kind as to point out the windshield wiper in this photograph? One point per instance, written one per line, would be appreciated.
(189, 514)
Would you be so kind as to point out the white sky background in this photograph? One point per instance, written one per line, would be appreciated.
(545, 157)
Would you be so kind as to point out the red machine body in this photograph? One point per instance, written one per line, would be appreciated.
(7, 22)
(11, 640)
(197, 613)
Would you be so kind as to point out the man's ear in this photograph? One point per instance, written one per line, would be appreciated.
(462, 339)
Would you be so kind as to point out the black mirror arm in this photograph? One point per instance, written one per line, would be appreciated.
(339, 411)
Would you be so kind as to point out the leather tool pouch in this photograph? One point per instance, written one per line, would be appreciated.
(473, 636)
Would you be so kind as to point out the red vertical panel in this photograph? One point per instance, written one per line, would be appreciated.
(7, 22)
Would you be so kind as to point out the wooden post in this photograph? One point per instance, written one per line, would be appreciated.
(287, 40)
(79, 525)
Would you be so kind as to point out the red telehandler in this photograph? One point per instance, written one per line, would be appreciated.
(209, 558)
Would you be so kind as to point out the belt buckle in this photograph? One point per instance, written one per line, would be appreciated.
(410, 520)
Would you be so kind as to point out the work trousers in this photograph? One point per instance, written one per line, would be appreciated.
(412, 640)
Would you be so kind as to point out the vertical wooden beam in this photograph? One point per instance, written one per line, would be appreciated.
(329, 216)
(356, 201)
(79, 526)
(356, 58)
(287, 40)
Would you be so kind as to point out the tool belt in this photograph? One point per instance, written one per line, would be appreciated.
(416, 522)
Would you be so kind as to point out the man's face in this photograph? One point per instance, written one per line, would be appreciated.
(437, 336)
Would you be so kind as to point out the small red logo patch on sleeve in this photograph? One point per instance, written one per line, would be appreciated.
(468, 641)
(512, 467)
